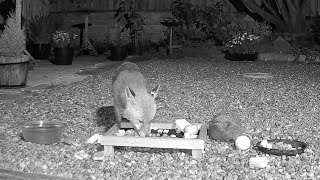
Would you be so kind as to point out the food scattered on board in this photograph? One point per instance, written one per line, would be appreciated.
(183, 129)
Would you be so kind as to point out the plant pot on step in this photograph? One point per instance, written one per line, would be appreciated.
(232, 56)
(41, 51)
(14, 71)
(63, 56)
(119, 53)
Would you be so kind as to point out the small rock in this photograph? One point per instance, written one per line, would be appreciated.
(193, 162)
(211, 160)
(93, 139)
(99, 156)
(81, 155)
(259, 162)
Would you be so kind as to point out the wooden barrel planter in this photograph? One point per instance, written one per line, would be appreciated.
(14, 71)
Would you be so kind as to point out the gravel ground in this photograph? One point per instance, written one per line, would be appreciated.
(286, 106)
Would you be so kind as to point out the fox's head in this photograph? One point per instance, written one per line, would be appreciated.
(141, 109)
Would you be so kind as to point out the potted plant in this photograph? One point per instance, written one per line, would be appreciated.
(63, 43)
(14, 65)
(244, 40)
(39, 31)
(117, 41)
(133, 22)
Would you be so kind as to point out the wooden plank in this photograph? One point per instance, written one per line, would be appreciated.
(17, 175)
(152, 142)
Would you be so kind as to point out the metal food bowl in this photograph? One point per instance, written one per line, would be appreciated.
(43, 132)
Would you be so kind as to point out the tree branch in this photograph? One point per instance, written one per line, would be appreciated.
(269, 17)
(291, 7)
(270, 8)
(283, 10)
(304, 6)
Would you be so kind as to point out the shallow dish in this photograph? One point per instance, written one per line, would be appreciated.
(43, 132)
(298, 145)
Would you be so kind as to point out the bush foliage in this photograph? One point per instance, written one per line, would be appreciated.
(13, 39)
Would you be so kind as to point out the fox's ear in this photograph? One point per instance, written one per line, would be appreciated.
(155, 91)
(129, 94)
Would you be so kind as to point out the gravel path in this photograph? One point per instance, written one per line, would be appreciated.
(286, 106)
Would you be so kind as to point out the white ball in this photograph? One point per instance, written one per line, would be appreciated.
(243, 142)
(192, 129)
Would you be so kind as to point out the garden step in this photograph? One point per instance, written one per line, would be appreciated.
(10, 174)
(282, 57)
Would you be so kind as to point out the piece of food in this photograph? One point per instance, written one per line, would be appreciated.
(243, 142)
(192, 129)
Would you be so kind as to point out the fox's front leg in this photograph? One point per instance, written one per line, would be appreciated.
(118, 116)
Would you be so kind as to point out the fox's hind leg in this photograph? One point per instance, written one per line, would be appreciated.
(118, 116)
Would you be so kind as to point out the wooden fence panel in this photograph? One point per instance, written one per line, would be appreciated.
(33, 7)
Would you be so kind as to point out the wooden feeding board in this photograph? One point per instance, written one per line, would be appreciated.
(110, 139)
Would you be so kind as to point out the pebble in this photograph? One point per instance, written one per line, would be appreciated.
(259, 162)
(193, 161)
(98, 156)
(81, 155)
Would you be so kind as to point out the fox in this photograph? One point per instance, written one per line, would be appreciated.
(132, 99)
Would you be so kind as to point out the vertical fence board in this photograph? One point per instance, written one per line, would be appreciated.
(30, 7)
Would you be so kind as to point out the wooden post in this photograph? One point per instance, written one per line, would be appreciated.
(170, 45)
(18, 18)
(18, 11)
(86, 31)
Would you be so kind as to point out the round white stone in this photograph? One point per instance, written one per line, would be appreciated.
(243, 142)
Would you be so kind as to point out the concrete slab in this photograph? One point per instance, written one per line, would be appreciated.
(45, 74)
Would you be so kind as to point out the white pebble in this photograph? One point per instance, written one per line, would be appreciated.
(93, 139)
(81, 155)
(243, 142)
(269, 146)
(264, 143)
(99, 156)
(259, 162)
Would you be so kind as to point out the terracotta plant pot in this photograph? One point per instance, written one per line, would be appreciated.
(14, 71)
(63, 56)
(240, 56)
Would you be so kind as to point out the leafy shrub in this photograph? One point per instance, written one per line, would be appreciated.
(40, 28)
(64, 39)
(246, 36)
(12, 40)
(117, 37)
(198, 22)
